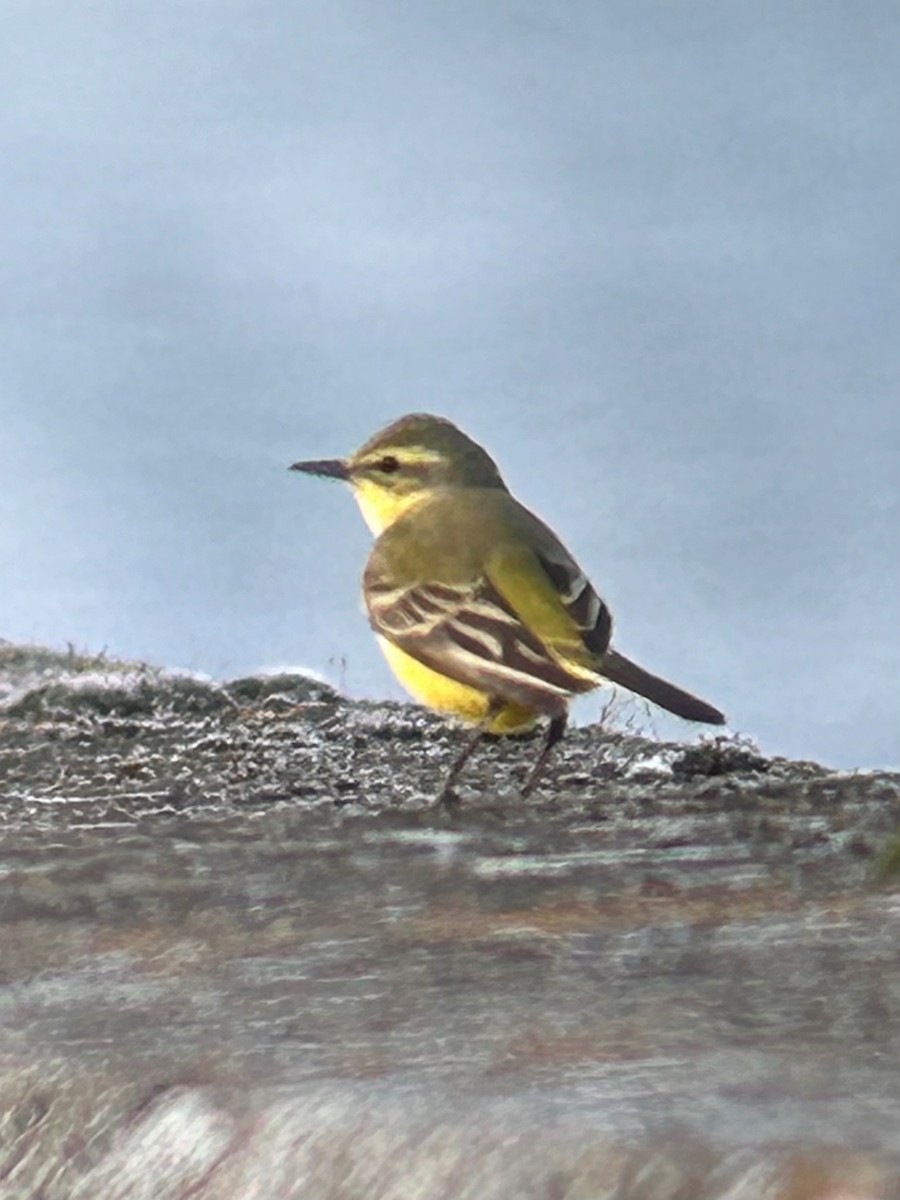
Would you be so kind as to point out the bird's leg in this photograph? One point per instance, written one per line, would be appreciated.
(555, 731)
(447, 795)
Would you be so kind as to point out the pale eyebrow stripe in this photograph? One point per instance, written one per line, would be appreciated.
(404, 453)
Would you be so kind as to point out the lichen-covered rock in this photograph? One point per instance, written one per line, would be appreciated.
(85, 738)
(242, 954)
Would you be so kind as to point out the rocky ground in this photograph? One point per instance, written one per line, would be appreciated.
(243, 954)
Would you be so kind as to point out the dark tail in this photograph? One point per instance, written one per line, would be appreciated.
(622, 670)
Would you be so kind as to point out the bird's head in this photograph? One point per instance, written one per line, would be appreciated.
(405, 463)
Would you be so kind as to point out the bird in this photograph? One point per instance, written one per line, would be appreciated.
(480, 610)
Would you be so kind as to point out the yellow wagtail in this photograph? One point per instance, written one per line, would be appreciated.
(479, 608)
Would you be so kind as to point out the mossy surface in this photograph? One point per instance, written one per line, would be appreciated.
(242, 954)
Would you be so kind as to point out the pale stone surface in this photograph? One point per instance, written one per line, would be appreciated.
(241, 956)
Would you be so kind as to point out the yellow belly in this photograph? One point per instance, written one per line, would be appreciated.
(446, 695)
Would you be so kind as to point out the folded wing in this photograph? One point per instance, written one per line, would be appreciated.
(509, 633)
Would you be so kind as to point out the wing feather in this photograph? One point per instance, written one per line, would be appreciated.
(470, 633)
(526, 625)
(588, 612)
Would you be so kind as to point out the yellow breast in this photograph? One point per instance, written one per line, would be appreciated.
(436, 691)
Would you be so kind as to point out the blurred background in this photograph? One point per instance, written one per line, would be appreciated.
(646, 253)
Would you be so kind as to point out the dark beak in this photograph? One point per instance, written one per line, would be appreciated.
(330, 468)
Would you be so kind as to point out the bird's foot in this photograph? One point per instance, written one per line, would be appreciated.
(448, 800)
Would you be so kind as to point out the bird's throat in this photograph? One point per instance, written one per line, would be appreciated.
(381, 507)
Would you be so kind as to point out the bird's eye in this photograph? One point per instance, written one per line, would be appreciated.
(389, 464)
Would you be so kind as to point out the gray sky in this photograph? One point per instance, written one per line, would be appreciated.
(646, 252)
